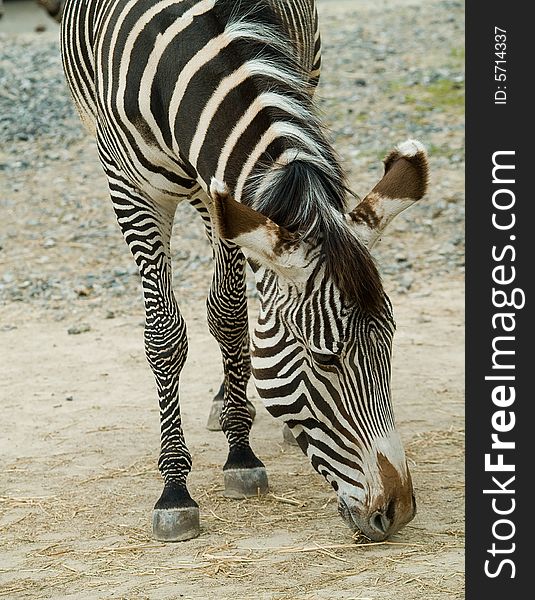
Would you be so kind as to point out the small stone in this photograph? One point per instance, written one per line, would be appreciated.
(82, 291)
(69, 398)
(424, 319)
(407, 279)
(77, 329)
(447, 249)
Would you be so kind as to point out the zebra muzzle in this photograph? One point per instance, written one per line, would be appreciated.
(377, 522)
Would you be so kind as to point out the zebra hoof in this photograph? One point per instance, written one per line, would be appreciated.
(175, 524)
(251, 408)
(213, 423)
(288, 436)
(244, 483)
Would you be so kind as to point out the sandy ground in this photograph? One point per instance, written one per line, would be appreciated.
(79, 433)
(79, 444)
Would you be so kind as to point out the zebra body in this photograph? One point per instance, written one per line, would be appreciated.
(170, 133)
(210, 101)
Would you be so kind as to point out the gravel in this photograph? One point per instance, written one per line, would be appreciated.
(389, 73)
(34, 101)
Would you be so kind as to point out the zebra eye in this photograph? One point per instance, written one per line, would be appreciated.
(326, 360)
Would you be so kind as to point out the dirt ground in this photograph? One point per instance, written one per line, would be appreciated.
(79, 427)
(80, 478)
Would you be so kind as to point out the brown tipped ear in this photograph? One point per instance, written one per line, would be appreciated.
(233, 219)
(406, 172)
(404, 182)
(246, 227)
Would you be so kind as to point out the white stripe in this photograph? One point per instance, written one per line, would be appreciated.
(149, 73)
(152, 154)
(232, 32)
(248, 69)
(277, 130)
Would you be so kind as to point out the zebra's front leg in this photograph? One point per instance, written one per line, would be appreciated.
(244, 473)
(147, 228)
(176, 514)
(214, 418)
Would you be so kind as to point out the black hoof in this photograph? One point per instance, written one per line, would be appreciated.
(213, 423)
(288, 436)
(245, 475)
(175, 517)
(175, 524)
(244, 483)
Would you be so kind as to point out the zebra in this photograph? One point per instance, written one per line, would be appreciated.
(211, 102)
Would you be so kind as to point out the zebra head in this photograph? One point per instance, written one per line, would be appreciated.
(321, 360)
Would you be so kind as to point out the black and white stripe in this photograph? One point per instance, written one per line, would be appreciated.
(325, 370)
(181, 92)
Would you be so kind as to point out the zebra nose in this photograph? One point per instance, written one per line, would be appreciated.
(380, 524)
(387, 520)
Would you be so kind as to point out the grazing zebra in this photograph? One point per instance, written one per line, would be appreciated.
(210, 101)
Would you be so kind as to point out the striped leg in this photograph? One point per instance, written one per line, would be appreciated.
(146, 227)
(245, 474)
(214, 418)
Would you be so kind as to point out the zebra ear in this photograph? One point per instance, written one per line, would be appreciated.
(404, 182)
(256, 233)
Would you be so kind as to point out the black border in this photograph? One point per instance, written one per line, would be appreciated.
(492, 127)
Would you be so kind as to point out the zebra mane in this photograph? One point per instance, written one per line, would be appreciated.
(304, 188)
(309, 201)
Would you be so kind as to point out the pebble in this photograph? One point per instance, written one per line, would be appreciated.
(77, 329)
(406, 281)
